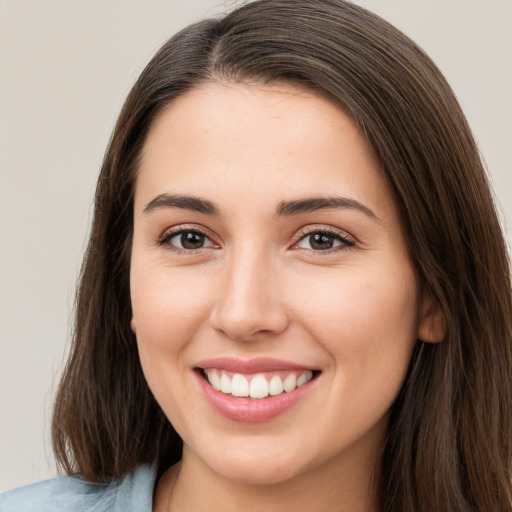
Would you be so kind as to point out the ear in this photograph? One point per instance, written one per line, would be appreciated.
(132, 325)
(432, 325)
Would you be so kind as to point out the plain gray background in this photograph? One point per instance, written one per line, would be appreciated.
(65, 68)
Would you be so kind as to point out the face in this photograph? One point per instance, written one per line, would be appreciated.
(274, 302)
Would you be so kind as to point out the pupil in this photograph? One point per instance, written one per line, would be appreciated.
(192, 240)
(320, 242)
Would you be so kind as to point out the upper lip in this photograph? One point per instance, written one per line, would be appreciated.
(257, 365)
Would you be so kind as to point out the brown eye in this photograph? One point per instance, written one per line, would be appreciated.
(323, 241)
(189, 240)
(192, 240)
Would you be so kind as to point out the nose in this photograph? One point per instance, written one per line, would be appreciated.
(250, 302)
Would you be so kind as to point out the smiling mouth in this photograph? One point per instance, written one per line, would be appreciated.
(259, 385)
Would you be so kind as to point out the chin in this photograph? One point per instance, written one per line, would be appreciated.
(256, 472)
(256, 466)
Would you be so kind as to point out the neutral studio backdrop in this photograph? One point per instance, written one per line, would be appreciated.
(65, 68)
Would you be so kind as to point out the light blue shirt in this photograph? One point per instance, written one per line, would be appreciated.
(134, 493)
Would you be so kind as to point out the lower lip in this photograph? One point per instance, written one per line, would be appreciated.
(252, 410)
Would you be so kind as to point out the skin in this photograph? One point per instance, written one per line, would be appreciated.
(258, 288)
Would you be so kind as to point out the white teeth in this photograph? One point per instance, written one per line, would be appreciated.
(301, 380)
(259, 387)
(225, 384)
(304, 377)
(256, 387)
(214, 379)
(290, 383)
(275, 386)
(239, 385)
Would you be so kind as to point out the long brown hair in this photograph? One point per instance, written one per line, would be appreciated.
(449, 443)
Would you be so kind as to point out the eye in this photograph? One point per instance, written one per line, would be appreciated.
(186, 240)
(323, 241)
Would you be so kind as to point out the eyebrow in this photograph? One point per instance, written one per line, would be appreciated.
(193, 203)
(286, 208)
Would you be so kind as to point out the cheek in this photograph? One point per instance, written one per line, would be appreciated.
(166, 307)
(168, 312)
(367, 325)
(367, 322)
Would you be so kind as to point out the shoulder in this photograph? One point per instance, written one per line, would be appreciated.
(133, 493)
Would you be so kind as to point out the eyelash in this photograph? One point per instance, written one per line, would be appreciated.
(345, 241)
(164, 240)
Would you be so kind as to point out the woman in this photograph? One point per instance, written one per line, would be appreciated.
(296, 292)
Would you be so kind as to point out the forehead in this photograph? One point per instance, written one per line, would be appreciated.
(281, 140)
